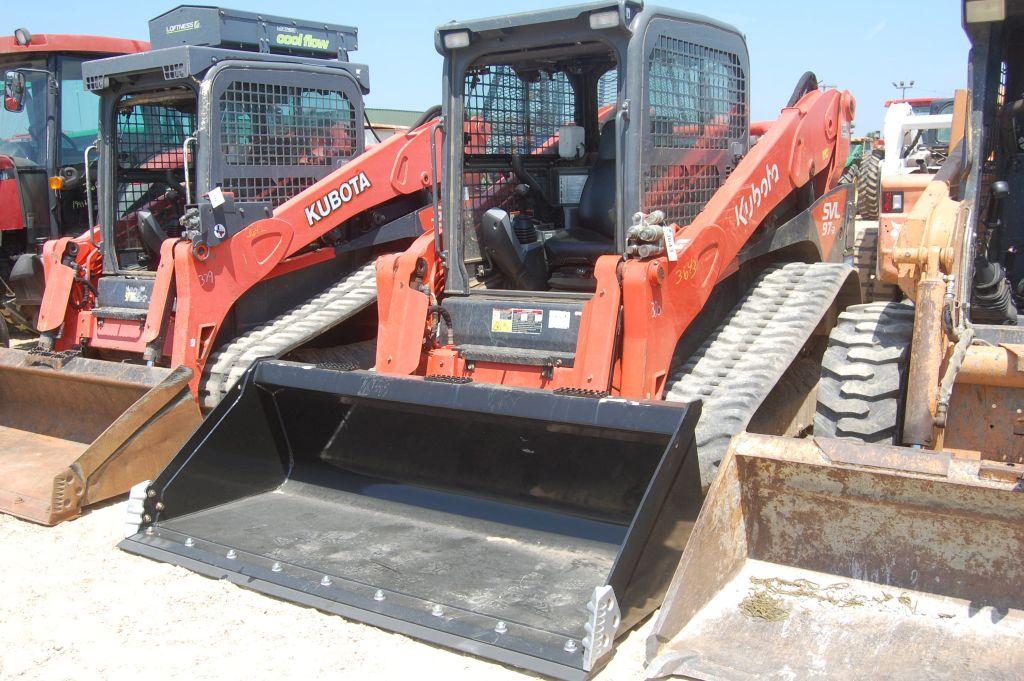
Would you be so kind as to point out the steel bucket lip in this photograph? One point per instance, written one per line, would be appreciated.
(649, 417)
(520, 646)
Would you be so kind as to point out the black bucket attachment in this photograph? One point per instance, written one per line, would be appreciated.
(519, 525)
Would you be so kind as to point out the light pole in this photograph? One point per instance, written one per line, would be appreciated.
(903, 86)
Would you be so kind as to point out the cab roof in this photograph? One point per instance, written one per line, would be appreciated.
(78, 44)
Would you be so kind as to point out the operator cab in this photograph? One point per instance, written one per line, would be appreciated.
(561, 125)
(539, 168)
(229, 116)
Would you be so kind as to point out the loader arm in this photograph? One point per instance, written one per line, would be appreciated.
(662, 297)
(206, 290)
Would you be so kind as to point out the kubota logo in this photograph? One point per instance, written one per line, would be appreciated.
(759, 191)
(336, 198)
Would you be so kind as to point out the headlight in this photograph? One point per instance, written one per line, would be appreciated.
(607, 19)
(456, 40)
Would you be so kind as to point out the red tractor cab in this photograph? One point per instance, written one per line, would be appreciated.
(48, 123)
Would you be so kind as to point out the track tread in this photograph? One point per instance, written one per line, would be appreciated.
(287, 331)
(865, 259)
(863, 373)
(741, 361)
(869, 182)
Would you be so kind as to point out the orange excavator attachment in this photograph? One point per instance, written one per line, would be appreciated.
(823, 558)
(75, 431)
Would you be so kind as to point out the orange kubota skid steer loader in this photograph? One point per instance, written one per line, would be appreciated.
(237, 219)
(891, 543)
(619, 281)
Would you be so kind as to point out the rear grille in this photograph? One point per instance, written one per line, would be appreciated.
(93, 83)
(174, 71)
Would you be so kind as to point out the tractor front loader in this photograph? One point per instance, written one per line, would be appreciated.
(892, 540)
(237, 219)
(618, 282)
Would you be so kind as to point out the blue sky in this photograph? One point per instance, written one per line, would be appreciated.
(861, 46)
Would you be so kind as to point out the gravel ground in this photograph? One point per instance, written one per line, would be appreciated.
(73, 606)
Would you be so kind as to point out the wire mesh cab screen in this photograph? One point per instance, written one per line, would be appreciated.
(150, 130)
(277, 138)
(507, 114)
(696, 108)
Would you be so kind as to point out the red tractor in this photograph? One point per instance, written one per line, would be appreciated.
(48, 123)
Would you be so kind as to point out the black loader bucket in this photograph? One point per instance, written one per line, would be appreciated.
(519, 525)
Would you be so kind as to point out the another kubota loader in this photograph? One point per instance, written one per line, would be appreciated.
(237, 220)
(890, 543)
(618, 283)
(48, 121)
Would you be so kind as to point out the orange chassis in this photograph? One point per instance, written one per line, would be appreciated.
(658, 298)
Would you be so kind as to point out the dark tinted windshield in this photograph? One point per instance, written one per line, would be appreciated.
(23, 134)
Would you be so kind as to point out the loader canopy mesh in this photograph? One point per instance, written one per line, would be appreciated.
(150, 130)
(517, 109)
(294, 134)
(506, 114)
(696, 107)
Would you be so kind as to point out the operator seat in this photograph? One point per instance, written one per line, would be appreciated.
(594, 233)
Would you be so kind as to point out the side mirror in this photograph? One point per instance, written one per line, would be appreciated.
(14, 91)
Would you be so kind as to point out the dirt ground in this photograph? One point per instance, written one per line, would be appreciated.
(74, 606)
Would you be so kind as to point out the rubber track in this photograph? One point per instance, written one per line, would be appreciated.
(865, 259)
(864, 373)
(287, 332)
(736, 368)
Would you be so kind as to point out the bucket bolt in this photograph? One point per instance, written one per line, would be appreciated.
(500, 628)
(325, 581)
(232, 554)
(190, 542)
(570, 646)
(276, 567)
(438, 611)
(378, 595)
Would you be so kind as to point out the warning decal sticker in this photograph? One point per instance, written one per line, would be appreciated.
(516, 320)
(559, 319)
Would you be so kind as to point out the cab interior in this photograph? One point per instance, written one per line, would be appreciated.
(539, 168)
